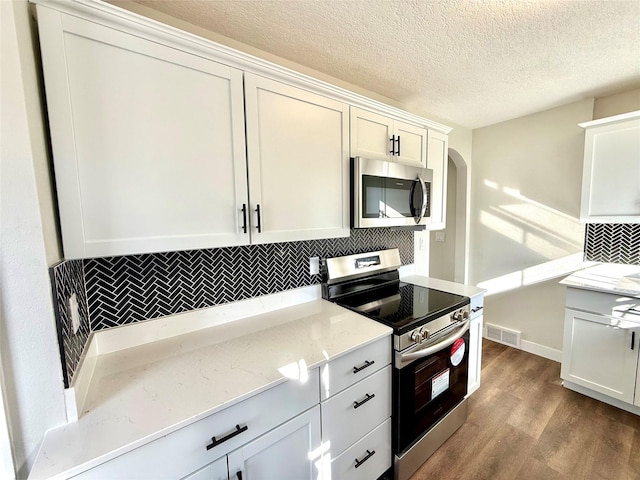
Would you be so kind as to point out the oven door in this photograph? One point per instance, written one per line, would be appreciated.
(389, 194)
(427, 387)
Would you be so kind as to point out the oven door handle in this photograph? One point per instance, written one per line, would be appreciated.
(402, 359)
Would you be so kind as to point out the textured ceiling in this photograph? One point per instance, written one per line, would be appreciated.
(474, 63)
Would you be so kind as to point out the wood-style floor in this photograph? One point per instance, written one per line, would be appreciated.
(523, 424)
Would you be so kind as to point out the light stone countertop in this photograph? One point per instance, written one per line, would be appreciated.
(444, 285)
(142, 393)
(608, 278)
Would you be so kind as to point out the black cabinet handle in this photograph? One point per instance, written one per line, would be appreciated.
(366, 399)
(477, 309)
(633, 339)
(366, 364)
(366, 457)
(393, 145)
(259, 227)
(244, 218)
(398, 152)
(239, 475)
(237, 431)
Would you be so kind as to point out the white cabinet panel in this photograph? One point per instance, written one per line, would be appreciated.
(148, 142)
(370, 135)
(351, 414)
(351, 368)
(380, 137)
(475, 354)
(291, 451)
(298, 163)
(438, 161)
(611, 173)
(367, 459)
(599, 356)
(411, 144)
(216, 471)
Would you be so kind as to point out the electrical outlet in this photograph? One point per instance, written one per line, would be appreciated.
(440, 237)
(74, 312)
(314, 265)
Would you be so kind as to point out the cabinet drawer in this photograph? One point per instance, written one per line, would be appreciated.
(599, 302)
(372, 455)
(477, 306)
(351, 414)
(185, 450)
(353, 367)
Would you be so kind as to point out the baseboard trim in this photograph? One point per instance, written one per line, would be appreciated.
(534, 348)
(541, 350)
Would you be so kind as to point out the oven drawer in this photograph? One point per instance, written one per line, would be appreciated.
(351, 414)
(185, 450)
(372, 454)
(353, 367)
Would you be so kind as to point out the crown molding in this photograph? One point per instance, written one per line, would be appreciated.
(116, 17)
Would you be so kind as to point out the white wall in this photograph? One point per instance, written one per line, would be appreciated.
(29, 351)
(526, 187)
(616, 104)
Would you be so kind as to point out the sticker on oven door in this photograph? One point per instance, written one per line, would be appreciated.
(457, 352)
(439, 383)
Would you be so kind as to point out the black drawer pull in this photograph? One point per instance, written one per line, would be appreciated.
(366, 457)
(366, 364)
(633, 339)
(239, 475)
(367, 398)
(477, 309)
(237, 431)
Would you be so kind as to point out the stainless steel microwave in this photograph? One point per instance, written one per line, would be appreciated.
(389, 194)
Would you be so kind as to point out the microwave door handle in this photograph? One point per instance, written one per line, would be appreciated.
(423, 210)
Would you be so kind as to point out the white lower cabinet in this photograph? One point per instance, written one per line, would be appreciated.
(600, 348)
(215, 471)
(356, 411)
(475, 343)
(366, 459)
(599, 356)
(290, 451)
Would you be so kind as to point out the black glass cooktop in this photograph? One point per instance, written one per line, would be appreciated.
(403, 306)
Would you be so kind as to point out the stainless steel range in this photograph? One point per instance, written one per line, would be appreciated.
(430, 340)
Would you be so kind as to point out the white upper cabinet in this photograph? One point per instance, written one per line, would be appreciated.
(298, 162)
(148, 142)
(611, 173)
(163, 140)
(380, 137)
(438, 161)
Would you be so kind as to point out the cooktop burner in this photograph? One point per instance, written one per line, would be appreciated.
(403, 306)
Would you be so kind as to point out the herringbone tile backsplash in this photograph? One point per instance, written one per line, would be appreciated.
(613, 243)
(127, 289)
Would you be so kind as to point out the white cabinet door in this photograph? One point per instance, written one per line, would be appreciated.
(215, 471)
(599, 356)
(475, 354)
(611, 173)
(379, 137)
(148, 142)
(291, 451)
(298, 163)
(437, 160)
(371, 135)
(411, 147)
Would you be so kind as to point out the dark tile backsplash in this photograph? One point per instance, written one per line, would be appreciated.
(127, 289)
(613, 243)
(67, 278)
